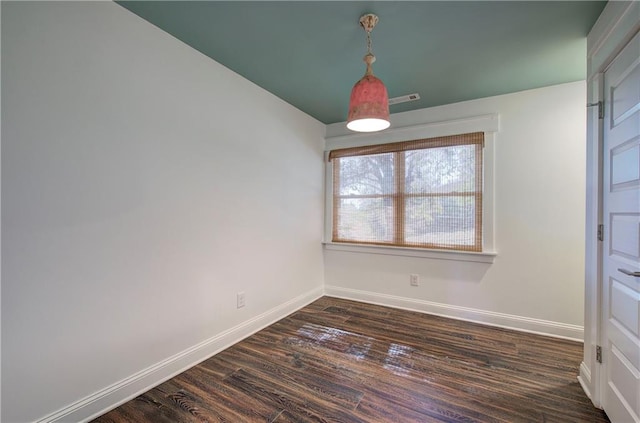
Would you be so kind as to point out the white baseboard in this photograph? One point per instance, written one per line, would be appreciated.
(112, 396)
(587, 384)
(508, 321)
(585, 379)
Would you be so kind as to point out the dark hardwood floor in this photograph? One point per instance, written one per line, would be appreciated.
(343, 361)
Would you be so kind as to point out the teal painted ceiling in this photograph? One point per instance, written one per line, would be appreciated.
(309, 53)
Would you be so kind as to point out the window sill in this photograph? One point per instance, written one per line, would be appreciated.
(483, 257)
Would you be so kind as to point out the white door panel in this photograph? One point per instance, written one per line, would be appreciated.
(625, 302)
(625, 102)
(624, 166)
(621, 252)
(627, 378)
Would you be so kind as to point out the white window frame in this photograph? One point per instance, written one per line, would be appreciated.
(488, 124)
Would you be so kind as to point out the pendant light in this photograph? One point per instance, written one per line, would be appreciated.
(369, 103)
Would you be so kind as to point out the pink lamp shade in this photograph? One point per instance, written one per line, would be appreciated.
(369, 105)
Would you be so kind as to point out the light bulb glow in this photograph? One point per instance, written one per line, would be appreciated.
(368, 125)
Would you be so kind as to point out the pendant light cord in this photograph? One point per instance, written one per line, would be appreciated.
(369, 58)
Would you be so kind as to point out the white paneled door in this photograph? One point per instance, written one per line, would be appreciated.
(621, 261)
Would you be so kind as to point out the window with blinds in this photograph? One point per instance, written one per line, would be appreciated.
(424, 193)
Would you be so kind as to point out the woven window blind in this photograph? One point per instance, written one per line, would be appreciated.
(424, 193)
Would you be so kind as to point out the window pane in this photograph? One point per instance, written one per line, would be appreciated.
(440, 170)
(366, 219)
(441, 221)
(422, 193)
(365, 175)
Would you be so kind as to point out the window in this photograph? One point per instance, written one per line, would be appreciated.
(425, 193)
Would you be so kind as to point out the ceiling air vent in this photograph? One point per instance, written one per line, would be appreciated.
(404, 98)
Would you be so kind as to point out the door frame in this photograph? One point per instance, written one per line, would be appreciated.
(615, 27)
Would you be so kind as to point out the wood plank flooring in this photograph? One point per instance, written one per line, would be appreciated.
(343, 361)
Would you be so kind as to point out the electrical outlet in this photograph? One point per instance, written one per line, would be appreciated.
(414, 279)
(240, 300)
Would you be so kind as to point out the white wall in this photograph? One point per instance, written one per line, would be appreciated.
(143, 186)
(536, 281)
